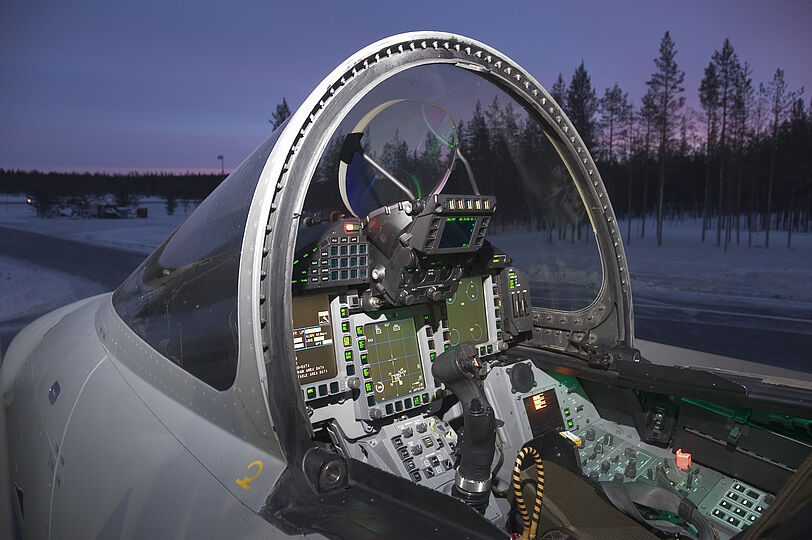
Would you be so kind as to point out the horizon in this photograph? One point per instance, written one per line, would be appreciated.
(178, 171)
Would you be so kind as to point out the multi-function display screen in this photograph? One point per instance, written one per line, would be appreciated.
(395, 366)
(313, 339)
(466, 313)
(458, 232)
(543, 412)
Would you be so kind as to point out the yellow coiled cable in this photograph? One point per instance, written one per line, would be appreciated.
(530, 523)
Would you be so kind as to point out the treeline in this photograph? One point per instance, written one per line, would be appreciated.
(50, 190)
(742, 163)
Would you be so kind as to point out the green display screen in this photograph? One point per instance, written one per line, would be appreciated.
(457, 232)
(466, 313)
(395, 366)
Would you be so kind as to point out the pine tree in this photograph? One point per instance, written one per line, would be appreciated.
(582, 104)
(665, 84)
(709, 99)
(742, 103)
(476, 142)
(648, 115)
(798, 134)
(614, 106)
(779, 99)
(282, 113)
(559, 92)
(727, 66)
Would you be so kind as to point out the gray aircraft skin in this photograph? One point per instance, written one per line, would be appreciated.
(175, 408)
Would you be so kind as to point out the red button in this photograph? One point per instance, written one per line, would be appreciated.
(683, 460)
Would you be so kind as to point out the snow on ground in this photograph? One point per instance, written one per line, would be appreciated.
(683, 268)
(28, 289)
(132, 234)
(684, 264)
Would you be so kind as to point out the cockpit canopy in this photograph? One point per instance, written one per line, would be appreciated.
(433, 127)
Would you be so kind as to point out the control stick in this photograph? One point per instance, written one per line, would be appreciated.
(459, 369)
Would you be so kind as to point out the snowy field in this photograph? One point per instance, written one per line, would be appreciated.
(683, 271)
(682, 267)
(131, 234)
(28, 289)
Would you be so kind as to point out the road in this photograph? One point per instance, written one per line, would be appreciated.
(103, 265)
(773, 334)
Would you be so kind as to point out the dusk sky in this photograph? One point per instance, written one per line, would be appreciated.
(162, 85)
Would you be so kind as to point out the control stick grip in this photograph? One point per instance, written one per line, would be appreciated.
(459, 369)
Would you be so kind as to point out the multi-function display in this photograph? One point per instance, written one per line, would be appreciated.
(458, 232)
(313, 339)
(467, 319)
(395, 366)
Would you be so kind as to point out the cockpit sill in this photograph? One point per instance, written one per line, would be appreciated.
(684, 373)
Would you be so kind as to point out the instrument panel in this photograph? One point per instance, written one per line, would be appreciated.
(383, 358)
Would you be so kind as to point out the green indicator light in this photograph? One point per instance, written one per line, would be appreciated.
(496, 260)
(343, 312)
(345, 326)
(425, 398)
(348, 355)
(416, 401)
(362, 344)
(432, 356)
(447, 346)
(512, 283)
(364, 358)
(366, 373)
(315, 248)
(294, 282)
(566, 412)
(426, 318)
(368, 387)
(296, 261)
(306, 255)
(311, 392)
(347, 341)
(359, 330)
(569, 423)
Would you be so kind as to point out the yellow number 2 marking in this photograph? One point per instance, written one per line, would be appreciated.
(243, 482)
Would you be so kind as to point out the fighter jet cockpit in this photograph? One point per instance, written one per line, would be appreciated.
(443, 247)
(441, 221)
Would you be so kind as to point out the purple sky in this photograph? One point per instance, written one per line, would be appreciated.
(162, 85)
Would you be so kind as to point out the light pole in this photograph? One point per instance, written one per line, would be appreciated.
(222, 169)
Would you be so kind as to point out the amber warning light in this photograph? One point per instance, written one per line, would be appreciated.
(543, 412)
(539, 402)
